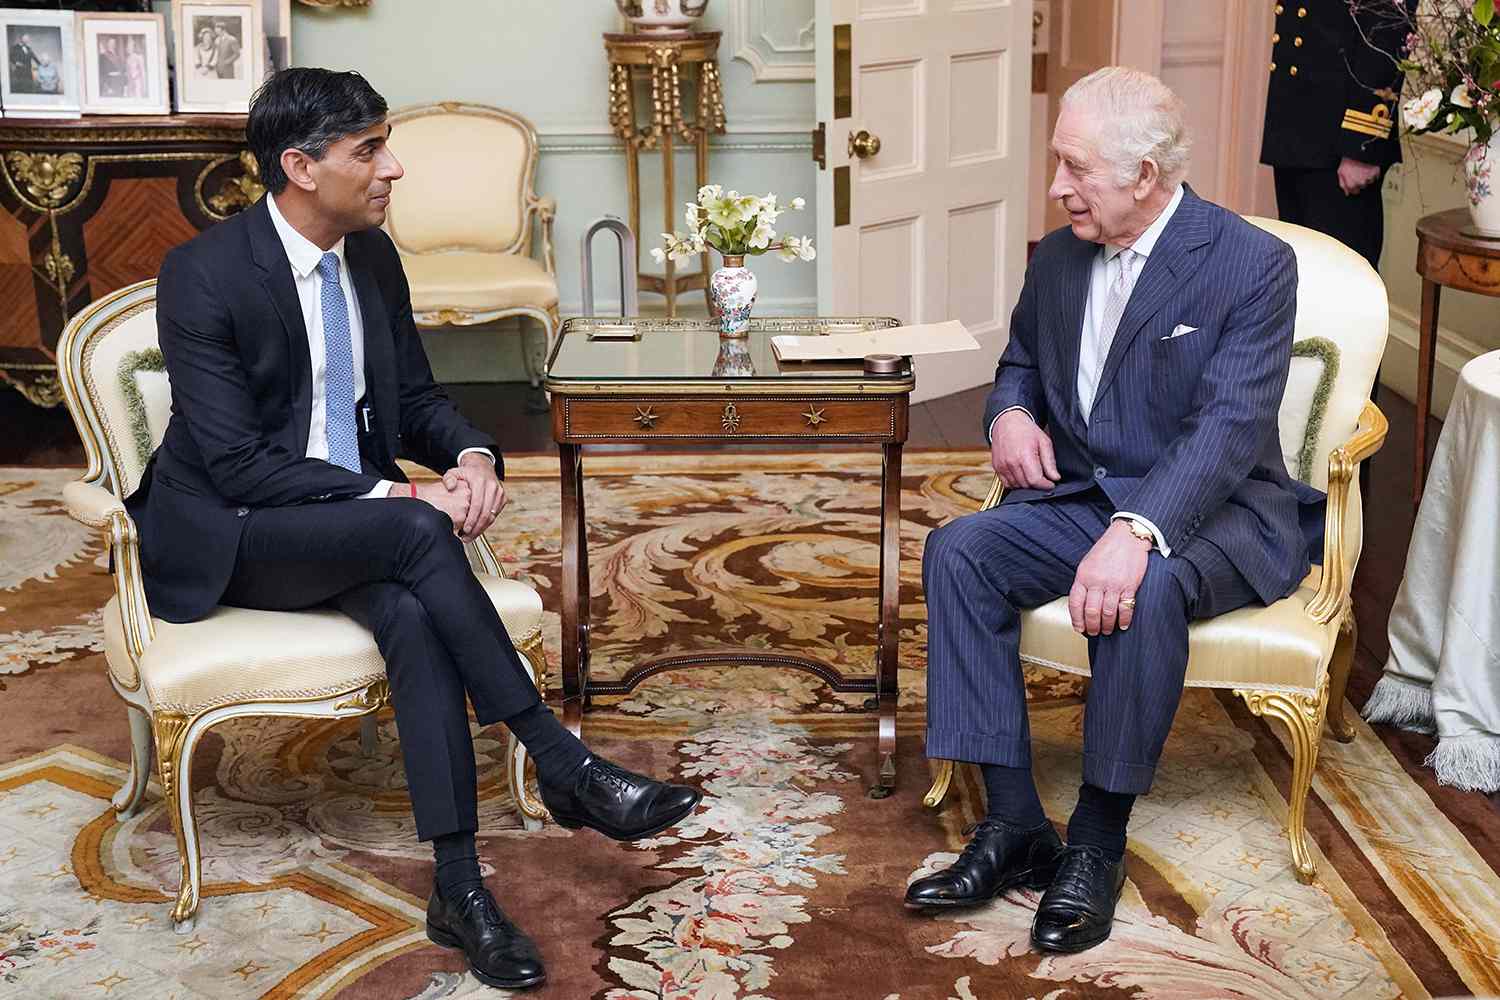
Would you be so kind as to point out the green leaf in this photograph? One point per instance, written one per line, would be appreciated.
(1484, 12)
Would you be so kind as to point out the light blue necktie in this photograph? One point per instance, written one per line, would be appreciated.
(338, 369)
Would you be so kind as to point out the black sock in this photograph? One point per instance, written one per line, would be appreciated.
(456, 864)
(1100, 820)
(1011, 796)
(557, 752)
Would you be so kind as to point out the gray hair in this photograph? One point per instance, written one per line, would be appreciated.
(1142, 118)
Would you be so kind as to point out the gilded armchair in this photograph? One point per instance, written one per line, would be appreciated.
(462, 218)
(1289, 661)
(178, 681)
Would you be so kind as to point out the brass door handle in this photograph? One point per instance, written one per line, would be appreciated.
(863, 145)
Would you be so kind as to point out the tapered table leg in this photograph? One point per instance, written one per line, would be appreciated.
(1426, 349)
(890, 617)
(575, 594)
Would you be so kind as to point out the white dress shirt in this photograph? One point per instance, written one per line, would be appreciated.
(304, 255)
(1093, 348)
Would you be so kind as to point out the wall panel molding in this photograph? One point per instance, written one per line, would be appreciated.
(775, 39)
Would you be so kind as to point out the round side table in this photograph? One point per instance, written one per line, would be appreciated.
(1447, 255)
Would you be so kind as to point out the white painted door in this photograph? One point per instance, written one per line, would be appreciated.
(932, 226)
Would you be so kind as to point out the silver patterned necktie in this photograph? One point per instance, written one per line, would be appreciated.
(1109, 323)
(338, 368)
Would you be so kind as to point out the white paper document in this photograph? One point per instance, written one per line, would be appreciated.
(925, 338)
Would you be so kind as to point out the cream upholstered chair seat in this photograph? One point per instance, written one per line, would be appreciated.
(477, 282)
(463, 216)
(180, 680)
(1275, 648)
(1290, 660)
(227, 659)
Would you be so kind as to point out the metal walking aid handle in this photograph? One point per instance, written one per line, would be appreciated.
(629, 303)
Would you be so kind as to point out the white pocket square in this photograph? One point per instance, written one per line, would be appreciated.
(1180, 330)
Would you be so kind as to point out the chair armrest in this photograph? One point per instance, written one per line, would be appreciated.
(996, 492)
(482, 558)
(546, 211)
(1332, 599)
(99, 508)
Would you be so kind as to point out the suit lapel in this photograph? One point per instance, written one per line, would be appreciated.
(1172, 262)
(276, 275)
(380, 350)
(1075, 293)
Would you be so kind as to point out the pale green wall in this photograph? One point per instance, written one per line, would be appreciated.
(1430, 180)
(545, 60)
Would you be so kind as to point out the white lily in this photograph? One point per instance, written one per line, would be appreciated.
(1419, 111)
(1460, 96)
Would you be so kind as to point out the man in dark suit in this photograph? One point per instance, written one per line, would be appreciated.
(297, 379)
(1330, 129)
(226, 52)
(1133, 423)
(23, 63)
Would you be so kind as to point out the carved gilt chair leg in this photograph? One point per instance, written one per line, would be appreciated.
(173, 762)
(1338, 678)
(1303, 717)
(128, 799)
(940, 782)
(519, 769)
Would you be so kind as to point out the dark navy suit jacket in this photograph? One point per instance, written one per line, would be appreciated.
(1183, 429)
(231, 332)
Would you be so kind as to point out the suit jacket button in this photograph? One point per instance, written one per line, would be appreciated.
(1100, 472)
(242, 512)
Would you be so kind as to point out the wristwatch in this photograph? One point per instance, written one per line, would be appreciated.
(1140, 531)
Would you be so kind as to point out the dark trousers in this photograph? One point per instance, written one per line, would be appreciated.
(981, 570)
(396, 567)
(1312, 198)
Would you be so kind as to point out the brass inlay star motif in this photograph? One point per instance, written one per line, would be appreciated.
(646, 417)
(730, 420)
(813, 416)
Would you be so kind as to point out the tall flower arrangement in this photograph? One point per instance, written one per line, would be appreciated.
(736, 225)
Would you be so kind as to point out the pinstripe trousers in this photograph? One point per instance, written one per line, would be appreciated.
(980, 570)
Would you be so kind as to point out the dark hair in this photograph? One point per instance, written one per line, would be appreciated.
(308, 109)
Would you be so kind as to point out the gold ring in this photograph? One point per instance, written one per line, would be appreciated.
(1127, 602)
(495, 511)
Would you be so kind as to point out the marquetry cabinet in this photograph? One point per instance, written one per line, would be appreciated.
(94, 204)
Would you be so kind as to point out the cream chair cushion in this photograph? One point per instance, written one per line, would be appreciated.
(466, 176)
(237, 655)
(1341, 301)
(477, 282)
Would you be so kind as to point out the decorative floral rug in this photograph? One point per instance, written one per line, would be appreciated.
(786, 883)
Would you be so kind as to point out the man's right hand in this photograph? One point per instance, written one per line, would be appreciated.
(453, 502)
(1021, 453)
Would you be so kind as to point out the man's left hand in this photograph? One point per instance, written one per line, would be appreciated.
(486, 493)
(1103, 594)
(1355, 176)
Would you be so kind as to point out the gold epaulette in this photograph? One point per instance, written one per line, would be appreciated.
(1376, 122)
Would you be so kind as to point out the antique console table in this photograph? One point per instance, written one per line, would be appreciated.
(94, 204)
(665, 60)
(662, 388)
(1447, 254)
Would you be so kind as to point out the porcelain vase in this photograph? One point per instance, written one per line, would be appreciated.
(1482, 177)
(662, 17)
(734, 358)
(732, 289)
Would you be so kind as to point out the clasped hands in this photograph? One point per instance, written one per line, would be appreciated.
(469, 493)
(1103, 594)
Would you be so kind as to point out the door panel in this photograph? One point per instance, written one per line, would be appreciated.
(931, 234)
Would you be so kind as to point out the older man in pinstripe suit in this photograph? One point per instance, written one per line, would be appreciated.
(1133, 422)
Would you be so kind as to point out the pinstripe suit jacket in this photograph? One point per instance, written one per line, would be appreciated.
(1183, 429)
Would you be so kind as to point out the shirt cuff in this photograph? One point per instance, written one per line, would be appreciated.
(991, 434)
(1161, 542)
(483, 451)
(380, 492)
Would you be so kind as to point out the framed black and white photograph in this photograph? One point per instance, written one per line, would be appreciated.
(220, 54)
(124, 63)
(41, 69)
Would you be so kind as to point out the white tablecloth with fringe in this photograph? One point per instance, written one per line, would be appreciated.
(1443, 674)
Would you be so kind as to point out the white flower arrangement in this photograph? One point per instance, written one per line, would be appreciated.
(736, 225)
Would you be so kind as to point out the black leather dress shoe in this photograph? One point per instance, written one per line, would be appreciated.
(1078, 909)
(498, 953)
(618, 803)
(999, 858)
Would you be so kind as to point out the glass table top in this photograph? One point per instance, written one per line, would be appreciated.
(600, 352)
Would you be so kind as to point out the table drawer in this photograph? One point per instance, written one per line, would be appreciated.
(791, 419)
